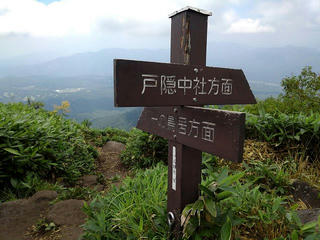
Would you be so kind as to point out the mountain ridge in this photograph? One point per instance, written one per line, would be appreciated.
(259, 64)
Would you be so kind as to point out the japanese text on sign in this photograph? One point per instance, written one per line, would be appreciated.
(200, 86)
(188, 127)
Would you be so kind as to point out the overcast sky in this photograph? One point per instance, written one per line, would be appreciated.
(68, 26)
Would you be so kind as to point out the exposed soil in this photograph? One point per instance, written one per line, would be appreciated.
(109, 164)
(26, 219)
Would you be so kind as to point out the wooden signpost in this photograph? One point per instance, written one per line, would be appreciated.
(170, 92)
(212, 131)
(152, 84)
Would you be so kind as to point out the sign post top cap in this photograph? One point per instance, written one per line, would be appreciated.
(198, 10)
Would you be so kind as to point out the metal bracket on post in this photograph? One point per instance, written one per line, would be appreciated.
(171, 219)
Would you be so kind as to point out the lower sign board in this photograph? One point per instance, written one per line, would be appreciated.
(213, 131)
(151, 84)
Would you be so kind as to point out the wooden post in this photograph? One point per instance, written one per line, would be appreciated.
(188, 46)
(161, 87)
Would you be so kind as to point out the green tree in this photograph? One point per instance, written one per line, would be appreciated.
(302, 93)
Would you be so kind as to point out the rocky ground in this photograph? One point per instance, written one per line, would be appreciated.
(26, 219)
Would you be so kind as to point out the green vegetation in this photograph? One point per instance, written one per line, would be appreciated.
(144, 150)
(259, 206)
(244, 202)
(299, 132)
(90, 97)
(231, 207)
(99, 137)
(43, 226)
(36, 144)
(302, 93)
(251, 200)
(136, 210)
(292, 120)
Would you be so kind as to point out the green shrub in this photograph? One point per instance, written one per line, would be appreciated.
(291, 120)
(144, 150)
(77, 192)
(100, 137)
(269, 176)
(302, 92)
(136, 210)
(30, 184)
(271, 105)
(232, 207)
(115, 134)
(298, 131)
(34, 142)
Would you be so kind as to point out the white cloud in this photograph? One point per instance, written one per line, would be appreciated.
(230, 16)
(249, 25)
(81, 25)
(37, 19)
(68, 17)
(314, 5)
(290, 15)
(85, 17)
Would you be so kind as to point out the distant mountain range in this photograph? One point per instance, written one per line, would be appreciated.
(89, 63)
(86, 81)
(263, 65)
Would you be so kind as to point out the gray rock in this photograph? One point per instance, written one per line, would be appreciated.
(309, 215)
(308, 194)
(68, 212)
(88, 180)
(99, 187)
(17, 216)
(44, 196)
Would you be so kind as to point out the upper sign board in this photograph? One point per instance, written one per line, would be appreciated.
(213, 131)
(153, 84)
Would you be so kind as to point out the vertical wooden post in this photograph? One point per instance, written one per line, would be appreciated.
(188, 46)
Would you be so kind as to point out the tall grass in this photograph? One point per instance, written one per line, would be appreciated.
(136, 210)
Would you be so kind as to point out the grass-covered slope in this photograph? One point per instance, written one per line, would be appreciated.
(136, 210)
(35, 143)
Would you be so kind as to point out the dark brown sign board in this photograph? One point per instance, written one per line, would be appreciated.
(213, 131)
(154, 84)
